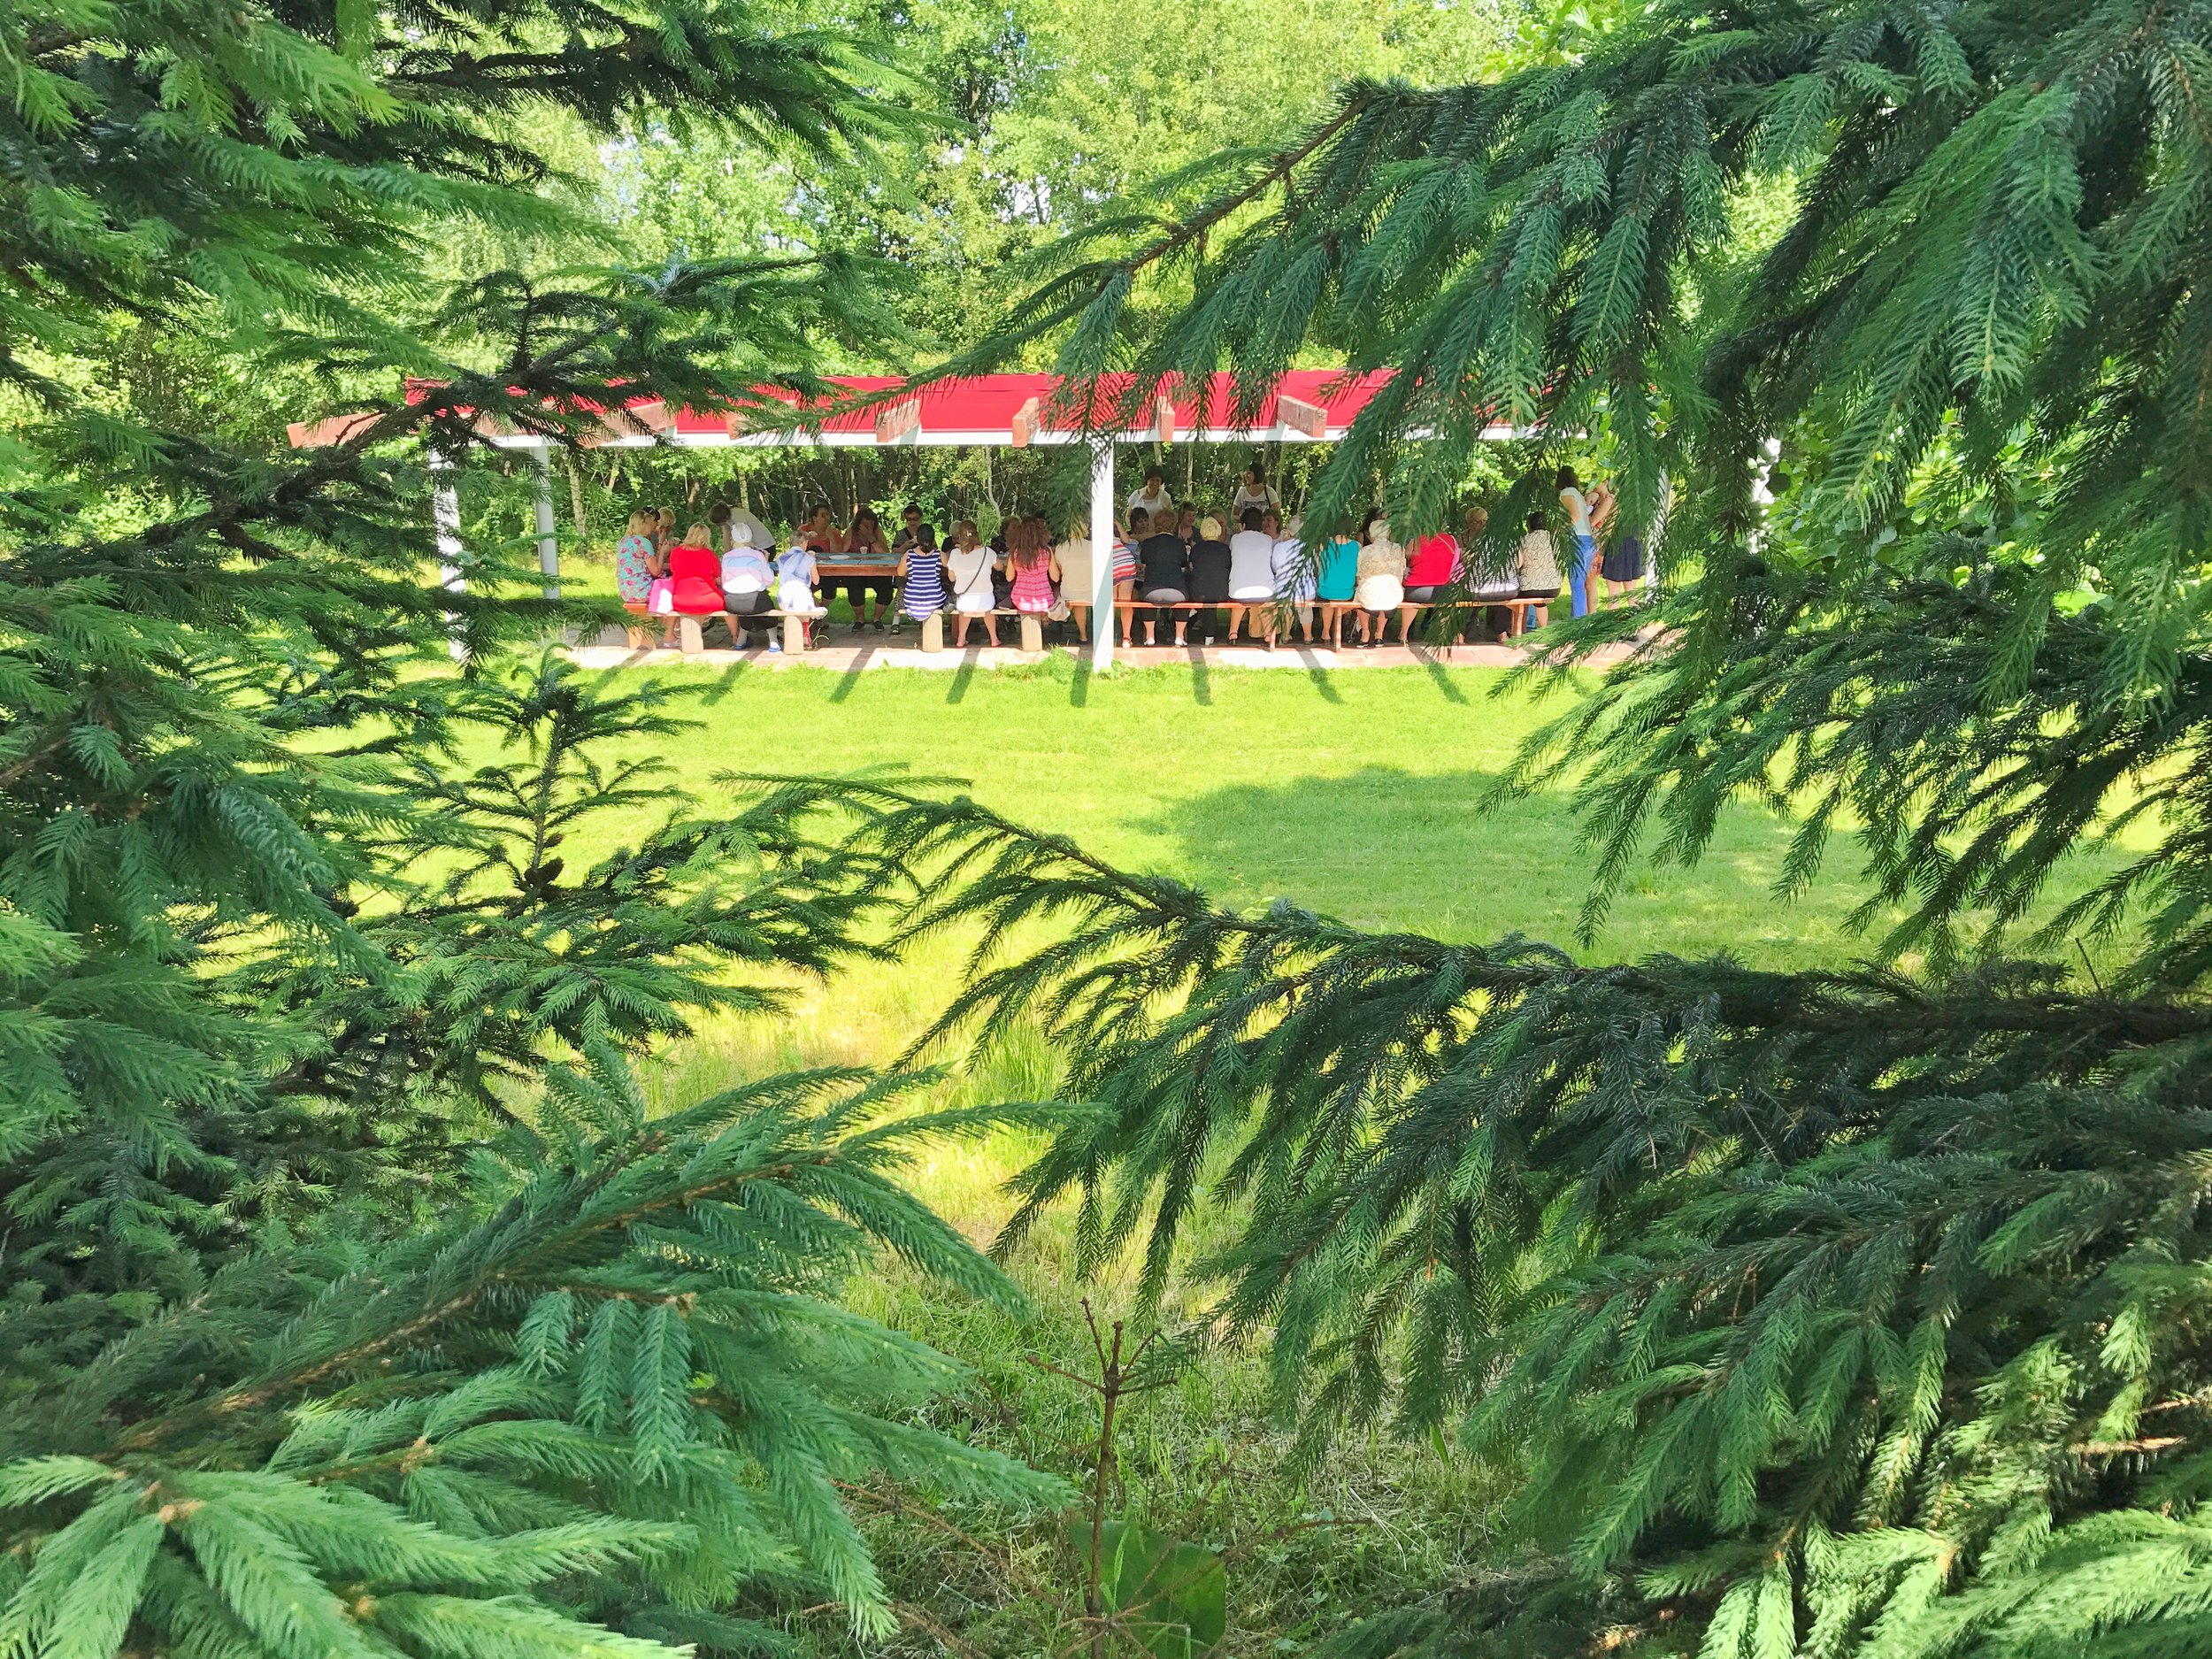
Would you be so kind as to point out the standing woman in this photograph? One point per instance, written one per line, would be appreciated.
(1623, 564)
(865, 542)
(1582, 527)
(1255, 492)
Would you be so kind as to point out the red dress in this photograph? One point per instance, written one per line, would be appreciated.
(698, 576)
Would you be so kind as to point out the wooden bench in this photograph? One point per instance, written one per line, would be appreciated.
(691, 633)
(1033, 628)
(1332, 610)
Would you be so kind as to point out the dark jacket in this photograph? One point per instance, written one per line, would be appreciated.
(1160, 559)
(1209, 572)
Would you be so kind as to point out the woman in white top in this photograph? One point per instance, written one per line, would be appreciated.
(1152, 500)
(1251, 571)
(1256, 491)
(1077, 572)
(1585, 517)
(1294, 576)
(968, 573)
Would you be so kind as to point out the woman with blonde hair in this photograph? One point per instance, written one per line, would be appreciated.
(1382, 582)
(1075, 568)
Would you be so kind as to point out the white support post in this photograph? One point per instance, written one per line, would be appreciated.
(445, 522)
(1102, 617)
(542, 506)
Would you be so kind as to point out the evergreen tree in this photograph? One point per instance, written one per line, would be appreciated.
(601, 1402)
(356, 1302)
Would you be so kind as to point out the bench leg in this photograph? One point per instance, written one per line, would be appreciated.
(687, 628)
(793, 636)
(1032, 634)
(933, 632)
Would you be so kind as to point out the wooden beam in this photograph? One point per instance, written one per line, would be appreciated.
(1163, 419)
(898, 421)
(324, 434)
(1025, 421)
(1300, 416)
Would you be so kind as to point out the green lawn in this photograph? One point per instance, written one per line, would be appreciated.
(1352, 791)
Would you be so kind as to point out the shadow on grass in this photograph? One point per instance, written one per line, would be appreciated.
(1386, 848)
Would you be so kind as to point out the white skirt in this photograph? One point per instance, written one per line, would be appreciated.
(1251, 596)
(973, 604)
(1381, 592)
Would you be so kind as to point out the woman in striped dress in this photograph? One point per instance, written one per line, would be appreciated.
(921, 575)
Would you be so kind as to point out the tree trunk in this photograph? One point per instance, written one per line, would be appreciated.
(576, 500)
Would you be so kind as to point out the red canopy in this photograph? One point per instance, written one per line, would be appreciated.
(988, 409)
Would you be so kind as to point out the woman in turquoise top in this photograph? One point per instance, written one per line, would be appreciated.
(1338, 578)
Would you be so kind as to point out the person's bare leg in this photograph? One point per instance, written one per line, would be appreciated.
(1082, 614)
(1405, 624)
(960, 631)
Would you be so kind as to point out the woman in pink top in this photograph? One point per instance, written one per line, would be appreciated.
(1029, 564)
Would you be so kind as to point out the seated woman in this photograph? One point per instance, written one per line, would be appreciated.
(1029, 568)
(1293, 580)
(796, 575)
(637, 566)
(1076, 570)
(1163, 581)
(1209, 564)
(1337, 580)
(1536, 563)
(819, 534)
(1487, 569)
(970, 566)
(1251, 573)
(747, 578)
(1431, 569)
(1382, 583)
(695, 572)
(922, 574)
(1127, 567)
(864, 544)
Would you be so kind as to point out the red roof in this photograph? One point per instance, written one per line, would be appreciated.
(999, 409)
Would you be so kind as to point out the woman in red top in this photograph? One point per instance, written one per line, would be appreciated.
(1433, 567)
(694, 570)
(865, 541)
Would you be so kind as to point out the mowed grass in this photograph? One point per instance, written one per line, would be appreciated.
(1355, 792)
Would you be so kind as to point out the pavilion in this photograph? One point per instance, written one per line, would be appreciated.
(1002, 410)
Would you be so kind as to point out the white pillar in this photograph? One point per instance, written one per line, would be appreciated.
(1103, 553)
(445, 522)
(542, 506)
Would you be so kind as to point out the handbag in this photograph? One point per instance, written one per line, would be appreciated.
(660, 598)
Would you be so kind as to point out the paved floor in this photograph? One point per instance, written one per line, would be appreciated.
(841, 652)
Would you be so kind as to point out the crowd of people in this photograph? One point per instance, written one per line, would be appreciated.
(1175, 565)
